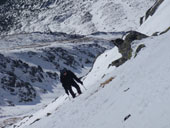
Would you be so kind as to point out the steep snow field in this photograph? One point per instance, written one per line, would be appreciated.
(134, 95)
(159, 22)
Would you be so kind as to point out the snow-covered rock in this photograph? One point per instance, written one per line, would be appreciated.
(159, 21)
(125, 46)
(71, 16)
(17, 79)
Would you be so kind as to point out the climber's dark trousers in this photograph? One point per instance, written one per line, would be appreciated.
(74, 84)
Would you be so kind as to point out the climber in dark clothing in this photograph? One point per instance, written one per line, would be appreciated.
(68, 79)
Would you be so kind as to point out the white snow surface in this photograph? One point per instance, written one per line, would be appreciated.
(137, 96)
(159, 22)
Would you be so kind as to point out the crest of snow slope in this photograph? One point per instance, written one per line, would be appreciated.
(159, 22)
(137, 97)
(76, 16)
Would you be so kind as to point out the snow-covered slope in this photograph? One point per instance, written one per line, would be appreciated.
(159, 21)
(30, 63)
(71, 16)
(134, 95)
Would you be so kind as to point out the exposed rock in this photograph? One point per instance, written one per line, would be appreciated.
(48, 114)
(10, 121)
(139, 49)
(11, 10)
(118, 62)
(16, 87)
(151, 10)
(87, 17)
(35, 121)
(52, 75)
(155, 34)
(20, 86)
(127, 117)
(118, 42)
(124, 46)
(3, 2)
(141, 20)
(165, 31)
(158, 33)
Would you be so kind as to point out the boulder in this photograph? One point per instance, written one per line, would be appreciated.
(124, 46)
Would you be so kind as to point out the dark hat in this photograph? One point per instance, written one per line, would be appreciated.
(64, 70)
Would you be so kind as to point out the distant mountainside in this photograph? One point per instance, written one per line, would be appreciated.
(71, 16)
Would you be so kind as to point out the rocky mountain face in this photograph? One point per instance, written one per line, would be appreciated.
(11, 82)
(12, 10)
(125, 46)
(31, 67)
(151, 11)
(71, 16)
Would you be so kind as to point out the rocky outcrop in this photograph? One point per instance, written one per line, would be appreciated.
(11, 12)
(165, 31)
(124, 46)
(139, 48)
(16, 87)
(3, 2)
(151, 11)
(17, 79)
